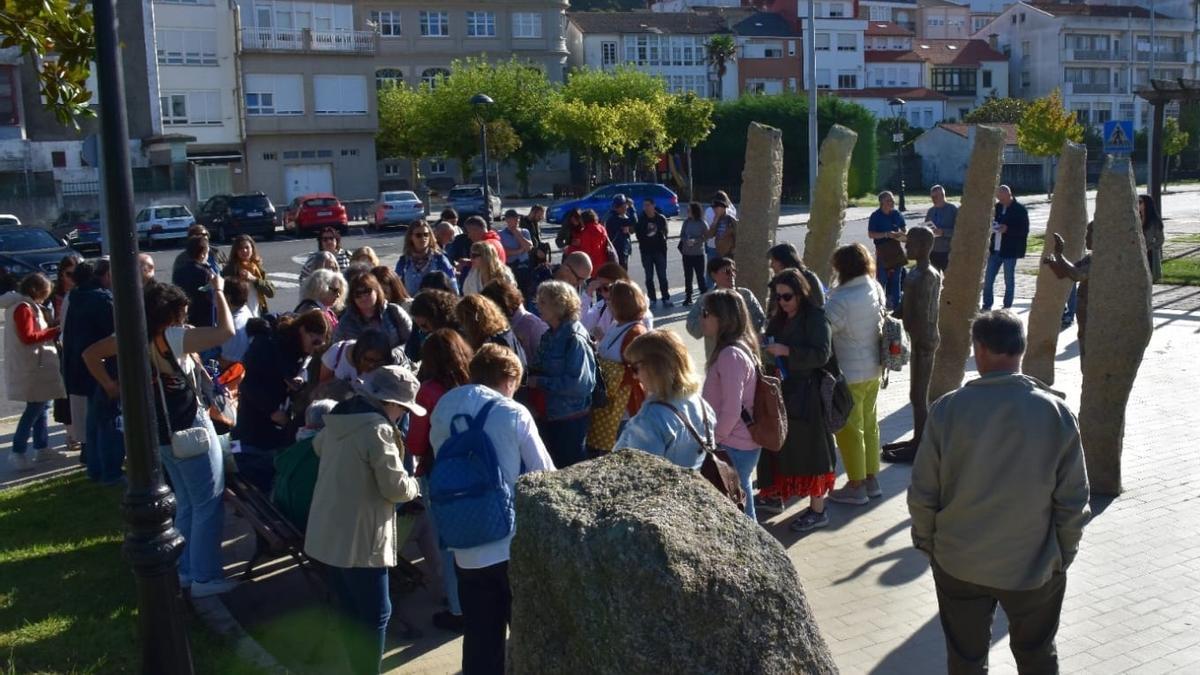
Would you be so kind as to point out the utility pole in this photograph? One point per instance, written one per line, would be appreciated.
(152, 544)
(1153, 128)
(810, 69)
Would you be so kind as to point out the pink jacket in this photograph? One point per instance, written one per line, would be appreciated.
(729, 389)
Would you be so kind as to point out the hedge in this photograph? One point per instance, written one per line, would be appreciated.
(718, 160)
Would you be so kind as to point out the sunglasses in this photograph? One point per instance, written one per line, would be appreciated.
(421, 235)
(786, 297)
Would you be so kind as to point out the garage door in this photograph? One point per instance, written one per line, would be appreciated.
(303, 179)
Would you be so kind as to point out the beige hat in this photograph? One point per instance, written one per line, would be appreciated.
(394, 384)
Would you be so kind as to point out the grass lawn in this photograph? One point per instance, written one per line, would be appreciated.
(67, 599)
(1036, 244)
(1181, 271)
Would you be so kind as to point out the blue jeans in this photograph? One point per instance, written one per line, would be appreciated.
(1072, 302)
(449, 578)
(362, 593)
(710, 254)
(566, 440)
(33, 421)
(892, 282)
(199, 483)
(994, 263)
(655, 264)
(105, 444)
(745, 461)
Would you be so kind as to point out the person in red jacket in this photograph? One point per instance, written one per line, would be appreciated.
(31, 366)
(478, 230)
(592, 239)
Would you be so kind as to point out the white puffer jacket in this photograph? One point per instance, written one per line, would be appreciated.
(853, 310)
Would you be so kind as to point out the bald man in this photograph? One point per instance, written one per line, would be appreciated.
(1010, 233)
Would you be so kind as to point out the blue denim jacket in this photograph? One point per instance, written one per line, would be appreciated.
(566, 370)
(658, 431)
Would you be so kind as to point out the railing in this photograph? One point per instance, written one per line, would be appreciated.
(1100, 55)
(1163, 57)
(306, 40)
(955, 93)
(1091, 88)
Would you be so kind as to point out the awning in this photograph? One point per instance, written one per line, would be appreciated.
(223, 158)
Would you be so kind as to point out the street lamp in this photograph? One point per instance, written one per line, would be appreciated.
(897, 106)
(482, 102)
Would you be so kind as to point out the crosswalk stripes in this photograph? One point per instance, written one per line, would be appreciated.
(285, 279)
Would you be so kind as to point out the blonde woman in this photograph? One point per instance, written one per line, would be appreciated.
(365, 255)
(565, 375)
(626, 304)
(660, 361)
(486, 267)
(422, 255)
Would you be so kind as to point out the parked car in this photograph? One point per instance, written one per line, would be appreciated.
(9, 219)
(163, 223)
(468, 200)
(600, 200)
(24, 250)
(80, 229)
(396, 207)
(309, 214)
(226, 216)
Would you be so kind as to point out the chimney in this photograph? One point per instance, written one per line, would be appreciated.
(994, 41)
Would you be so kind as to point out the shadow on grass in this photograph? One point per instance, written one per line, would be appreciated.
(67, 598)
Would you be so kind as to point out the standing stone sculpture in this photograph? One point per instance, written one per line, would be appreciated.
(758, 211)
(922, 297)
(1119, 324)
(827, 215)
(1068, 219)
(629, 564)
(964, 276)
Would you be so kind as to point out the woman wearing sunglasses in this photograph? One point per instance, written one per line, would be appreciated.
(329, 241)
(799, 344)
(422, 255)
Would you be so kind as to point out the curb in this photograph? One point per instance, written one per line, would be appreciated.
(217, 617)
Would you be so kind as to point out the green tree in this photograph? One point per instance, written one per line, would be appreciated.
(59, 35)
(404, 126)
(1046, 125)
(1175, 141)
(721, 50)
(589, 130)
(688, 122)
(637, 101)
(998, 111)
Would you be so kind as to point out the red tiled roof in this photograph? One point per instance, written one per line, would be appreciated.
(1104, 11)
(891, 56)
(1010, 130)
(956, 52)
(906, 93)
(887, 28)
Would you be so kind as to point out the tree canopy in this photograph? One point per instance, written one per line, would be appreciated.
(1046, 125)
(59, 35)
(998, 111)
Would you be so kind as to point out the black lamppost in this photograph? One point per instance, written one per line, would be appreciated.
(897, 106)
(152, 544)
(482, 102)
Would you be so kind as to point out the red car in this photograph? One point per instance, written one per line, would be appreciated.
(308, 214)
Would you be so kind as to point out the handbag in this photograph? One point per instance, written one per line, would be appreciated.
(185, 443)
(889, 254)
(716, 469)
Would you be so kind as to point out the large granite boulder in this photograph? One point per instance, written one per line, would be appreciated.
(628, 564)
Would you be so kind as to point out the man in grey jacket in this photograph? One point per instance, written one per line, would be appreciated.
(999, 499)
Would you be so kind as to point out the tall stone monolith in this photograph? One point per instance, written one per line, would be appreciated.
(758, 210)
(964, 276)
(828, 212)
(1119, 324)
(1068, 217)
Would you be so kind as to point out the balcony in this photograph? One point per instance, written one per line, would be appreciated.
(1089, 87)
(305, 40)
(1099, 55)
(1163, 57)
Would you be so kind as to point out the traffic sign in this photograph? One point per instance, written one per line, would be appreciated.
(1118, 137)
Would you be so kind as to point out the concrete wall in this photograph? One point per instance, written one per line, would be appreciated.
(354, 175)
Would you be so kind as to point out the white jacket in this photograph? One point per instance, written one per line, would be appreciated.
(853, 310)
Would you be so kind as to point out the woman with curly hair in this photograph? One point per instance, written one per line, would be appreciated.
(486, 267)
(483, 321)
(245, 263)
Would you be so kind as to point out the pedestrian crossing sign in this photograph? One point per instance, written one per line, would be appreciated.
(1118, 137)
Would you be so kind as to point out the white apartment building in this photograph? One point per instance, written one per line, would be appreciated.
(1097, 55)
(669, 45)
(839, 45)
(197, 52)
(894, 71)
(901, 12)
(943, 20)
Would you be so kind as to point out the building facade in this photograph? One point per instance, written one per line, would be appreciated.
(769, 59)
(943, 20)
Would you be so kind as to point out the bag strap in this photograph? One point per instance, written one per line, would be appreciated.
(184, 376)
(620, 334)
(705, 445)
(163, 397)
(480, 417)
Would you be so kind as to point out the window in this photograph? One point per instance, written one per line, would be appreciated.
(1101, 113)
(847, 42)
(274, 95)
(437, 166)
(682, 84)
(351, 152)
(914, 118)
(663, 50)
(387, 23)
(986, 79)
(954, 80)
(291, 154)
(58, 159)
(527, 25)
(881, 13)
(608, 54)
(435, 24)
(391, 170)
(8, 95)
(927, 117)
(1025, 79)
(823, 76)
(339, 95)
(308, 154)
(772, 53)
(837, 10)
(822, 43)
(1126, 111)
(177, 47)
(388, 77)
(481, 24)
(847, 80)
(431, 76)
(757, 86)
(269, 156)
(324, 153)
(190, 108)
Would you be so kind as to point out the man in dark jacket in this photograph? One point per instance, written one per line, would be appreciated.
(652, 243)
(192, 277)
(88, 320)
(1010, 232)
(620, 222)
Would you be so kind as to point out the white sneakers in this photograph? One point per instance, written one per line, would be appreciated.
(204, 589)
(23, 461)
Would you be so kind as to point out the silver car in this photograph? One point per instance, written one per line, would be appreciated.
(163, 223)
(396, 207)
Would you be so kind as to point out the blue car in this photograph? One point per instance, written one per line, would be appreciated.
(600, 200)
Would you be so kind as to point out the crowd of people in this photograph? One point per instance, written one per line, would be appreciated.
(344, 404)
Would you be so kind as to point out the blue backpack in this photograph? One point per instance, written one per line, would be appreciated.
(470, 500)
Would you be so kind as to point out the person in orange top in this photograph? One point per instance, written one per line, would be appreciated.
(31, 366)
(592, 239)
